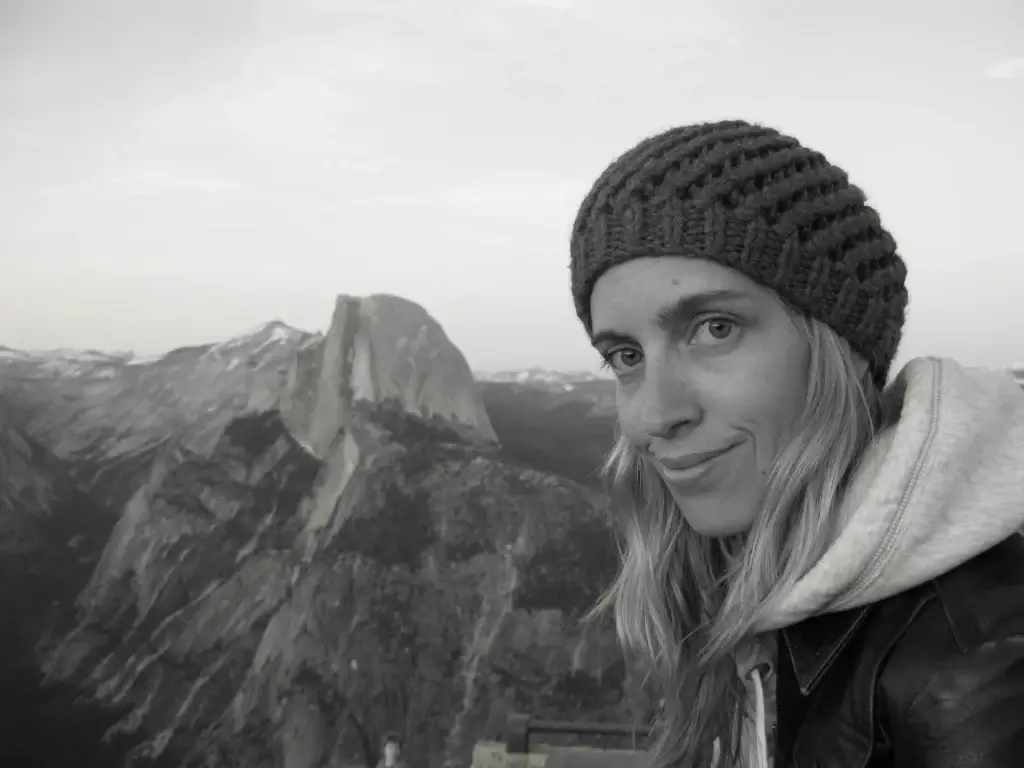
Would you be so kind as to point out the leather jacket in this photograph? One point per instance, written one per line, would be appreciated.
(929, 678)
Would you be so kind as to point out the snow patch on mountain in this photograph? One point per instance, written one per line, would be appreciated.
(266, 338)
(565, 381)
(262, 337)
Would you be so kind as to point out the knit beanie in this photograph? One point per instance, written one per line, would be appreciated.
(748, 197)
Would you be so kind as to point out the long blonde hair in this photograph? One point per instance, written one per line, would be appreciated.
(684, 602)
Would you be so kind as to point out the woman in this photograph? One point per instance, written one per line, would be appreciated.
(785, 522)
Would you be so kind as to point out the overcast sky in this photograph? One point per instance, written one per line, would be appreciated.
(177, 171)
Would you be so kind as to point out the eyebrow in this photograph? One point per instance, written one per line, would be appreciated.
(671, 315)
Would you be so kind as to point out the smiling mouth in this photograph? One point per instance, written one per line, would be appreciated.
(691, 466)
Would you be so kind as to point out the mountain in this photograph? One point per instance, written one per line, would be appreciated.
(51, 534)
(321, 540)
(556, 380)
(552, 422)
(51, 537)
(113, 413)
(378, 349)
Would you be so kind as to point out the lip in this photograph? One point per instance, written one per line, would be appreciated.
(683, 471)
(692, 460)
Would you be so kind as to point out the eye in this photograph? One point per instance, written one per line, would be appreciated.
(622, 359)
(714, 330)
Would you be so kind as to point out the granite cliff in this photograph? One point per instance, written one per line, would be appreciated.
(327, 545)
(381, 348)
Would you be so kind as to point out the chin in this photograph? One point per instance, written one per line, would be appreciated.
(715, 520)
(717, 529)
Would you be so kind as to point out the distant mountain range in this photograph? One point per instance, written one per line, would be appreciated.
(567, 380)
(271, 550)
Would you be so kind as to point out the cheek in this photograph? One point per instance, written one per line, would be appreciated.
(768, 400)
(628, 417)
(781, 398)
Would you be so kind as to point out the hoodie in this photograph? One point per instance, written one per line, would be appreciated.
(941, 485)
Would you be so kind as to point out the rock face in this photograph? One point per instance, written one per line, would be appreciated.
(261, 607)
(336, 549)
(111, 414)
(383, 348)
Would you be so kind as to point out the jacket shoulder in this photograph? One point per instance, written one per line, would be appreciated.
(953, 689)
(983, 599)
(976, 606)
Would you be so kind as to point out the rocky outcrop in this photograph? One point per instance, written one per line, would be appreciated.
(382, 348)
(264, 606)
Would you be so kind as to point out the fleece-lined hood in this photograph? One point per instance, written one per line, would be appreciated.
(938, 487)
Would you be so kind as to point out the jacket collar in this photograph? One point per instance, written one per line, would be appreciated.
(814, 644)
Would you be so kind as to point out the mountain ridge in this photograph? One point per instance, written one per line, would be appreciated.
(314, 540)
(96, 406)
(170, 601)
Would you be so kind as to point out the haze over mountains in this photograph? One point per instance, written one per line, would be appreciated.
(273, 549)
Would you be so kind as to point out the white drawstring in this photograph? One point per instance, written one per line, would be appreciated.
(753, 660)
(754, 735)
(753, 730)
(760, 723)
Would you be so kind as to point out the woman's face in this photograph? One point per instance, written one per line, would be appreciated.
(711, 376)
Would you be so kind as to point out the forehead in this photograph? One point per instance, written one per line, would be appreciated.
(639, 288)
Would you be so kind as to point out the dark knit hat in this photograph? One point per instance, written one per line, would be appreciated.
(750, 198)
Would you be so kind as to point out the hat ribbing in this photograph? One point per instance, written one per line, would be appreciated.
(749, 198)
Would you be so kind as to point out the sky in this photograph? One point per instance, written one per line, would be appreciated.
(175, 172)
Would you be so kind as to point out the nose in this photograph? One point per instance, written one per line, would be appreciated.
(667, 401)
